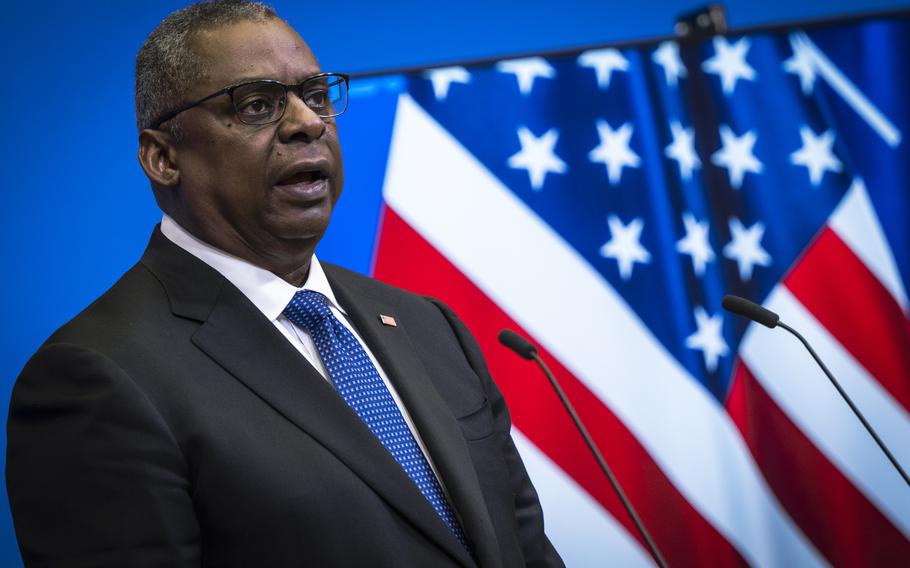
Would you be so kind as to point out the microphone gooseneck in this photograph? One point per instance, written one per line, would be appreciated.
(527, 350)
(756, 313)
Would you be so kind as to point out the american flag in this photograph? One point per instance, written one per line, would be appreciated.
(602, 203)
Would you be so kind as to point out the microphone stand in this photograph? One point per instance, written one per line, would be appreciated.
(759, 314)
(655, 553)
(849, 402)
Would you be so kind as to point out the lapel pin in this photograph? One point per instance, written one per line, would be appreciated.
(388, 320)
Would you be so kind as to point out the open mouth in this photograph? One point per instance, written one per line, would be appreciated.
(302, 177)
(307, 184)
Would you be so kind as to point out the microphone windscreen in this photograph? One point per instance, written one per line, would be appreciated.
(751, 310)
(517, 343)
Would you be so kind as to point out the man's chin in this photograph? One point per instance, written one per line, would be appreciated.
(299, 231)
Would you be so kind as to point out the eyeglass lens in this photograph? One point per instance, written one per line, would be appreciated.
(262, 102)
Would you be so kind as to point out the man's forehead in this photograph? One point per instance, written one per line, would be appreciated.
(255, 50)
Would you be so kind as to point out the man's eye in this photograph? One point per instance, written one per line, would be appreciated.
(317, 98)
(256, 106)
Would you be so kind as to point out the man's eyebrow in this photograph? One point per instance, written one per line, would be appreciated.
(252, 79)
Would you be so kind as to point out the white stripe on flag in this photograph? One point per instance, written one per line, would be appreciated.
(790, 376)
(580, 529)
(856, 223)
(466, 213)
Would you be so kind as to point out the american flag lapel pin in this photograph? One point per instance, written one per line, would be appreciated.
(388, 320)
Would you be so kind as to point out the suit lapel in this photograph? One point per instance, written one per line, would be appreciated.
(241, 340)
(432, 416)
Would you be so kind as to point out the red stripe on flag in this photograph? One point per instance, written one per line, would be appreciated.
(842, 524)
(851, 303)
(405, 259)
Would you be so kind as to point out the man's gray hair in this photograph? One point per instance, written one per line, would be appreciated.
(167, 65)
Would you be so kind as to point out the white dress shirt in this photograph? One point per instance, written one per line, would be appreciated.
(271, 295)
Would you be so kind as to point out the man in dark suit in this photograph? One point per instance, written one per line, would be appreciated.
(232, 401)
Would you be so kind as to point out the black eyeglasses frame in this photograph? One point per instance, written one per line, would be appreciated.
(229, 90)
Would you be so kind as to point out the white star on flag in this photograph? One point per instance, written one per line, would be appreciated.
(816, 154)
(614, 151)
(708, 337)
(667, 56)
(729, 62)
(443, 77)
(801, 64)
(537, 156)
(736, 155)
(604, 62)
(745, 248)
(682, 149)
(695, 243)
(625, 245)
(526, 70)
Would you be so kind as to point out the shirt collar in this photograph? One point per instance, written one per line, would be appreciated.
(269, 293)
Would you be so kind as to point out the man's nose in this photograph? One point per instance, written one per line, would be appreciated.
(299, 120)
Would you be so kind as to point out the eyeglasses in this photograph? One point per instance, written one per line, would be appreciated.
(264, 101)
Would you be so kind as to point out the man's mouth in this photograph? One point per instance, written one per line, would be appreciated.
(302, 177)
(307, 185)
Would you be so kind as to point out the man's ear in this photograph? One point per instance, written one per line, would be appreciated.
(158, 157)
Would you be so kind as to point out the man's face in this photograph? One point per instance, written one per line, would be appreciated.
(264, 193)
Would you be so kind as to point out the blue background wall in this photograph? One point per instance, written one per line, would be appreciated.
(77, 210)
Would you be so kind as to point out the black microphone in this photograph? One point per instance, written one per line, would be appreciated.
(517, 343)
(526, 349)
(764, 316)
(751, 310)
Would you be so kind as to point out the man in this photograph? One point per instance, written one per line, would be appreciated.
(231, 401)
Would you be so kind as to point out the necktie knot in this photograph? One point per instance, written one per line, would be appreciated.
(308, 309)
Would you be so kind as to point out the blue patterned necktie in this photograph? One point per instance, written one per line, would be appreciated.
(360, 385)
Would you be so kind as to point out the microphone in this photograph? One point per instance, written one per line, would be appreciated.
(517, 343)
(527, 350)
(764, 316)
(751, 310)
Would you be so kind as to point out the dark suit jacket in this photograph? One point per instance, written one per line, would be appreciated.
(171, 424)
